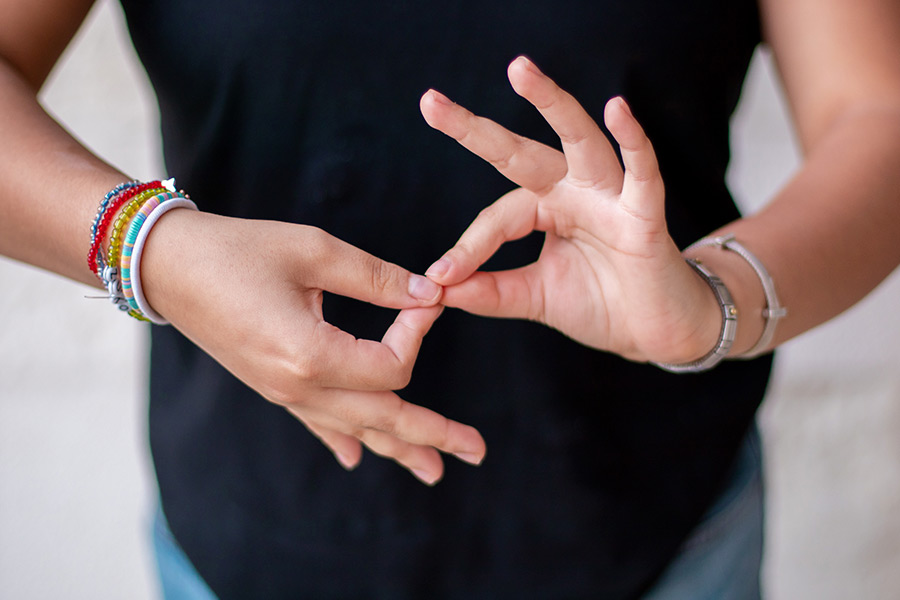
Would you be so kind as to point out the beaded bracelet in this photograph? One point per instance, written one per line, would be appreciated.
(115, 238)
(104, 204)
(139, 300)
(110, 276)
(113, 200)
(131, 197)
(111, 269)
(108, 267)
(128, 245)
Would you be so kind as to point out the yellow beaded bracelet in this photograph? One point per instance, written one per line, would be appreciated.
(115, 238)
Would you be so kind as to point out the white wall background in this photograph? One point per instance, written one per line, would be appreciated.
(76, 486)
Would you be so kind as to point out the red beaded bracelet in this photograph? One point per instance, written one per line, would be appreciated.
(109, 211)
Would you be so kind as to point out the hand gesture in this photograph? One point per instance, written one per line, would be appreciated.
(250, 294)
(609, 275)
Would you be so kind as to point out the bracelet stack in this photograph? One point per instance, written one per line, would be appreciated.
(129, 211)
(771, 313)
(773, 310)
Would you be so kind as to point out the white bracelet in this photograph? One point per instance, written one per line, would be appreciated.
(773, 310)
(726, 334)
(138, 251)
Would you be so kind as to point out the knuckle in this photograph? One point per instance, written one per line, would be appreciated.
(444, 438)
(361, 426)
(388, 420)
(463, 250)
(503, 161)
(382, 277)
(290, 377)
(359, 433)
(441, 437)
(352, 420)
(281, 397)
(401, 376)
(306, 369)
(384, 423)
(491, 212)
(649, 179)
(572, 139)
(317, 241)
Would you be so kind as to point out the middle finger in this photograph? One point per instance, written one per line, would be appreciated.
(590, 157)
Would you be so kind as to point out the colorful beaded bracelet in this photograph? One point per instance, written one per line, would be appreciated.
(125, 215)
(110, 271)
(131, 236)
(110, 276)
(139, 300)
(108, 207)
(129, 208)
(104, 204)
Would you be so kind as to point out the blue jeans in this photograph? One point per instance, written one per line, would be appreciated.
(178, 578)
(720, 561)
(722, 557)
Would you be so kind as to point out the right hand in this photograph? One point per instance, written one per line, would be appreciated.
(249, 293)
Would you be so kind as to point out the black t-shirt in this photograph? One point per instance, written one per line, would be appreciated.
(307, 111)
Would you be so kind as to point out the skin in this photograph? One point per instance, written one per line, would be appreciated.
(341, 388)
(609, 275)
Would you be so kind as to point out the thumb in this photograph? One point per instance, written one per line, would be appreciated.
(511, 217)
(344, 269)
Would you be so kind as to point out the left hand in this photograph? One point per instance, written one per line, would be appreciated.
(249, 293)
(609, 274)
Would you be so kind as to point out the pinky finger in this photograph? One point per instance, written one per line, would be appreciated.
(346, 449)
(642, 190)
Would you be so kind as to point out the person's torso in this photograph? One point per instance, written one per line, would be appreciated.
(308, 112)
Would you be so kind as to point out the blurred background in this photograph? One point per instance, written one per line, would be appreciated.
(76, 484)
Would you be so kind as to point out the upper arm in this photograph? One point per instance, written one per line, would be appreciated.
(33, 33)
(835, 57)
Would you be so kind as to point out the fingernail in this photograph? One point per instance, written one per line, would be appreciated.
(423, 288)
(441, 98)
(439, 269)
(472, 459)
(345, 461)
(528, 64)
(426, 477)
(625, 106)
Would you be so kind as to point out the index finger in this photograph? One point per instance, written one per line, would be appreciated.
(512, 217)
(331, 264)
(525, 162)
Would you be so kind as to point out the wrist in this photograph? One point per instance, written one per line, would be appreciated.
(717, 324)
(168, 251)
(744, 285)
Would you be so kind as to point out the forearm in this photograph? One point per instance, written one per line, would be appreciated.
(50, 185)
(830, 235)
